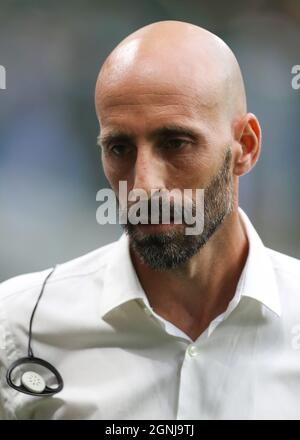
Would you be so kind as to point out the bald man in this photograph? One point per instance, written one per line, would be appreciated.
(162, 324)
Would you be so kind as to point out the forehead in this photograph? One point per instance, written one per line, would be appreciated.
(152, 101)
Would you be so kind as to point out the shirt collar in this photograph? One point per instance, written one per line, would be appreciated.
(257, 279)
(121, 283)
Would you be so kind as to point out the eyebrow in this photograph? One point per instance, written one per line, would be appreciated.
(162, 132)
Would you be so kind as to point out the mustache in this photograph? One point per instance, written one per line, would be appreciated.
(158, 209)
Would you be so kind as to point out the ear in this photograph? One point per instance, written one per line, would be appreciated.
(248, 142)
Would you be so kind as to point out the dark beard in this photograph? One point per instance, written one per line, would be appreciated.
(170, 250)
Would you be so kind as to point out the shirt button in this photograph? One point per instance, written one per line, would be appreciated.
(193, 350)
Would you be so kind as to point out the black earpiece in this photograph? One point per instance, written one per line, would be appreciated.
(31, 382)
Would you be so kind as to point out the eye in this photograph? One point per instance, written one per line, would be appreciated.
(175, 144)
(119, 149)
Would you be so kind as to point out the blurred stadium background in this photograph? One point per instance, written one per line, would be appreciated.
(50, 168)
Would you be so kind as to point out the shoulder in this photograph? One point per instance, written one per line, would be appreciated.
(78, 268)
(287, 272)
(283, 263)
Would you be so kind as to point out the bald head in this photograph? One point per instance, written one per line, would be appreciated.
(179, 56)
(171, 105)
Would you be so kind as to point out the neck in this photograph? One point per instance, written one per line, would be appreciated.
(193, 295)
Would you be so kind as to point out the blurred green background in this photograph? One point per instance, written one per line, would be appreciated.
(50, 167)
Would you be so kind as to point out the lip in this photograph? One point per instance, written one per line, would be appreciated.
(149, 227)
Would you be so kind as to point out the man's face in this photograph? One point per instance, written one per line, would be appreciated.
(156, 136)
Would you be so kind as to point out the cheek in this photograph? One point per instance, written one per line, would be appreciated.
(115, 172)
(109, 171)
(195, 171)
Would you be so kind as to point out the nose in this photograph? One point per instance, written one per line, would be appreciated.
(149, 171)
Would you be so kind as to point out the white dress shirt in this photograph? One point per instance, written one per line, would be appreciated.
(121, 360)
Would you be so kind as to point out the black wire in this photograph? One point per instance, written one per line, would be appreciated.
(30, 352)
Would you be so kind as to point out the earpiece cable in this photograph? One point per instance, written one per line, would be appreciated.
(30, 351)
